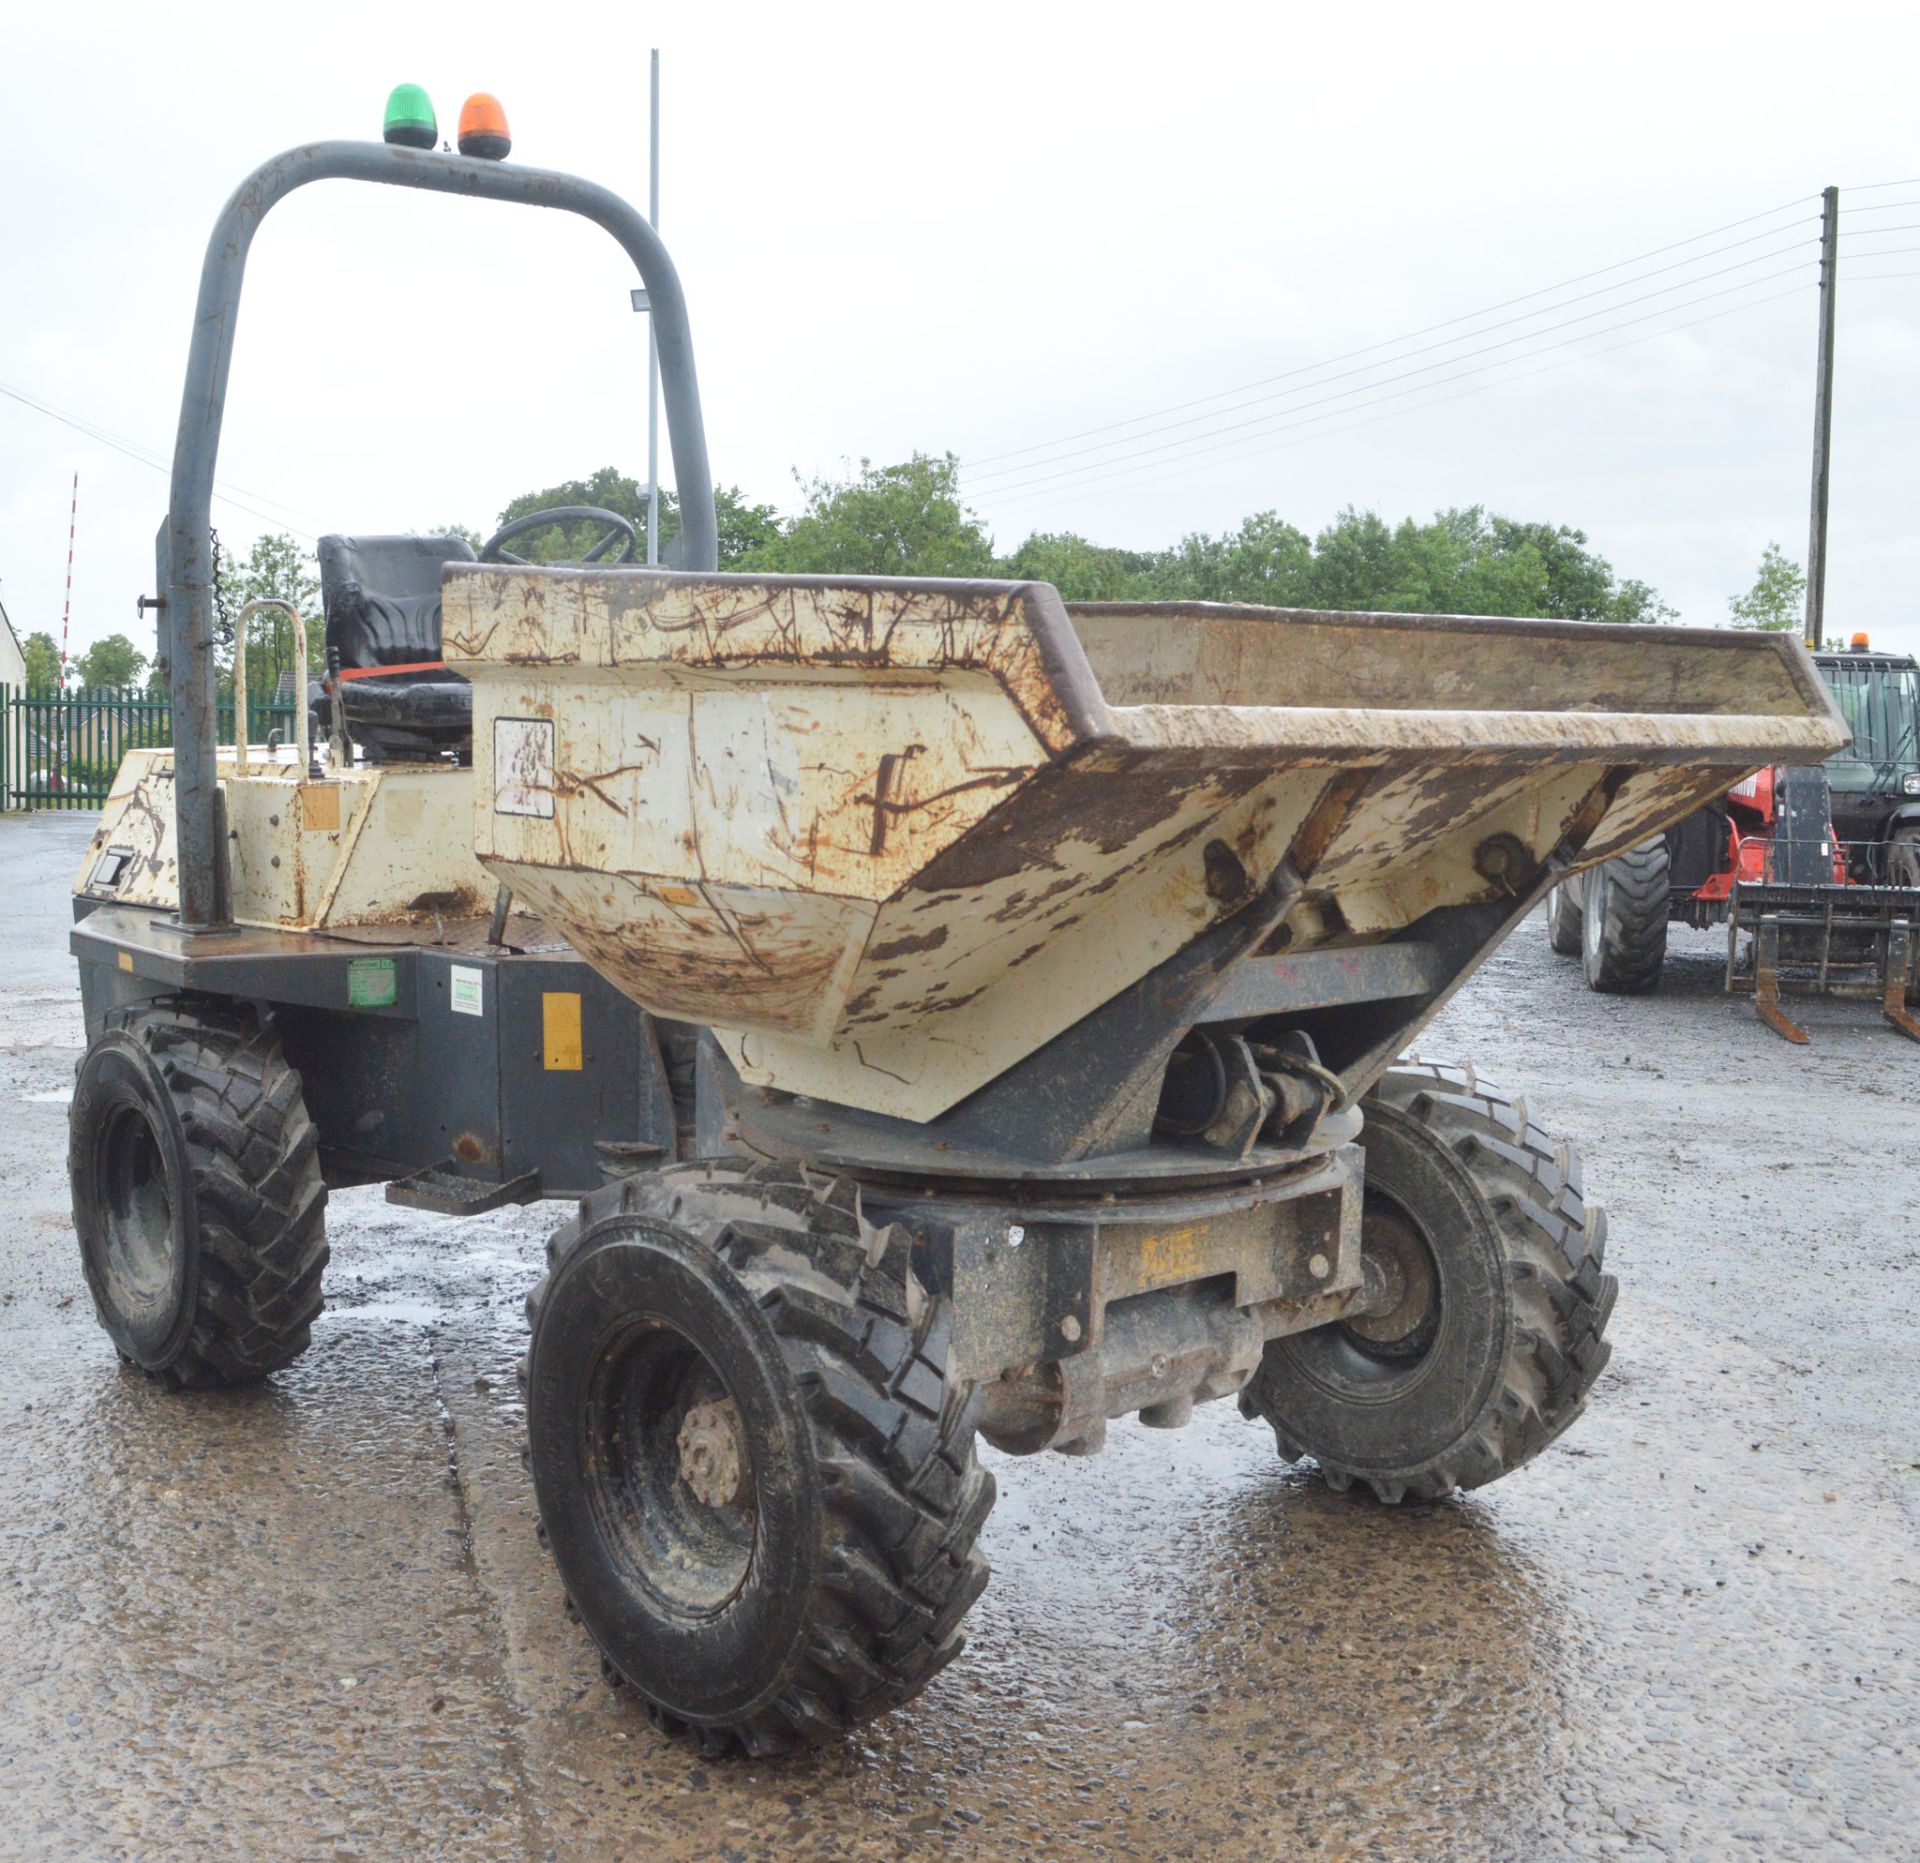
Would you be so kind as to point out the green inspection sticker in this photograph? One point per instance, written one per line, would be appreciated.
(371, 983)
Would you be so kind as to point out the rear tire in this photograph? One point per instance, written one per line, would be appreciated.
(1474, 1216)
(197, 1194)
(759, 1489)
(1624, 920)
(1563, 920)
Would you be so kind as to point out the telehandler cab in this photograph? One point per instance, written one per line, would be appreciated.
(954, 1015)
(1820, 863)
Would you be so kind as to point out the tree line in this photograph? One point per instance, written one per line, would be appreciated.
(912, 519)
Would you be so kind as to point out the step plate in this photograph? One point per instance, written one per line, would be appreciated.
(447, 1193)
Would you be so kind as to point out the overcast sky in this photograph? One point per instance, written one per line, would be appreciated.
(1004, 231)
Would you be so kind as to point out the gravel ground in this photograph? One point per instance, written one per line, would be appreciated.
(312, 1619)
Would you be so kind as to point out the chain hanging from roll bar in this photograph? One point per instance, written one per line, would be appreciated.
(222, 618)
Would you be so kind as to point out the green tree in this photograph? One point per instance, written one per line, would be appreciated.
(1354, 563)
(1266, 560)
(1461, 561)
(1081, 571)
(743, 525)
(1635, 601)
(1575, 583)
(1777, 601)
(904, 520)
(275, 569)
(43, 662)
(910, 519)
(114, 661)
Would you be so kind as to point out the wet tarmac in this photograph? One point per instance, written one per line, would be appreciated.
(312, 1620)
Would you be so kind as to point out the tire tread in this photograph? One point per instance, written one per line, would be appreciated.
(253, 1152)
(1633, 938)
(905, 1497)
(1554, 1242)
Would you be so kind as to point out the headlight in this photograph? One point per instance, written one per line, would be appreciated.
(1911, 783)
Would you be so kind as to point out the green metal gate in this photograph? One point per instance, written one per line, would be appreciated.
(60, 750)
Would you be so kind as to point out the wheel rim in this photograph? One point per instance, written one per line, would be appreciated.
(1377, 1355)
(669, 1470)
(1593, 920)
(136, 1210)
(1903, 862)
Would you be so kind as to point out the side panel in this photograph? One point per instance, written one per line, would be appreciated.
(468, 1086)
(488, 1066)
(579, 1070)
(372, 846)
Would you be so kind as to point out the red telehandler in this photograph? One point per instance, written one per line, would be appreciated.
(1829, 915)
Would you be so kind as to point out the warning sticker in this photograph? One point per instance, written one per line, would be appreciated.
(523, 767)
(464, 984)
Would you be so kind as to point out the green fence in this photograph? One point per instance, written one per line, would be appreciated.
(59, 750)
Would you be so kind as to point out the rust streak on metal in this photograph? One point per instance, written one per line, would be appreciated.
(1315, 835)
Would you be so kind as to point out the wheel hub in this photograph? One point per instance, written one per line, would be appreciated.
(713, 1453)
(137, 1209)
(1400, 1280)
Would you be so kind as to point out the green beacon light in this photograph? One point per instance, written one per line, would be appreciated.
(410, 119)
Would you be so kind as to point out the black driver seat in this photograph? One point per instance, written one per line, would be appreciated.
(396, 699)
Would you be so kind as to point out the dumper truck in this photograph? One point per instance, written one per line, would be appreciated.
(951, 1015)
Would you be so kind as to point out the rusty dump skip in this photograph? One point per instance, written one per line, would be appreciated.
(890, 837)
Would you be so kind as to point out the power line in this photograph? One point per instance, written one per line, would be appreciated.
(147, 456)
(1391, 342)
(1874, 187)
(1566, 362)
(1171, 446)
(1882, 207)
(1447, 343)
(1151, 476)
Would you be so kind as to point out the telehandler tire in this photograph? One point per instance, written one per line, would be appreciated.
(197, 1194)
(1903, 858)
(1474, 1218)
(1563, 920)
(1624, 920)
(759, 1489)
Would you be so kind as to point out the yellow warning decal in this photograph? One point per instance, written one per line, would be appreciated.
(320, 807)
(560, 1030)
(126, 960)
(1172, 1256)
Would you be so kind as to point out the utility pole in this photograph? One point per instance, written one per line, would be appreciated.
(653, 345)
(1822, 420)
(66, 611)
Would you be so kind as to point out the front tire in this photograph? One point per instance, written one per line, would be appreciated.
(1624, 920)
(1475, 1228)
(197, 1195)
(759, 1489)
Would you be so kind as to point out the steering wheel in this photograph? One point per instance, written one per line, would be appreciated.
(617, 527)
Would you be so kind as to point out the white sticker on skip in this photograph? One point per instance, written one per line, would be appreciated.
(463, 990)
(523, 767)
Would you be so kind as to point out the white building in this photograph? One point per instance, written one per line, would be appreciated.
(13, 665)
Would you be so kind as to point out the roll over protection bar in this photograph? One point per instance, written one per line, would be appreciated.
(184, 550)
